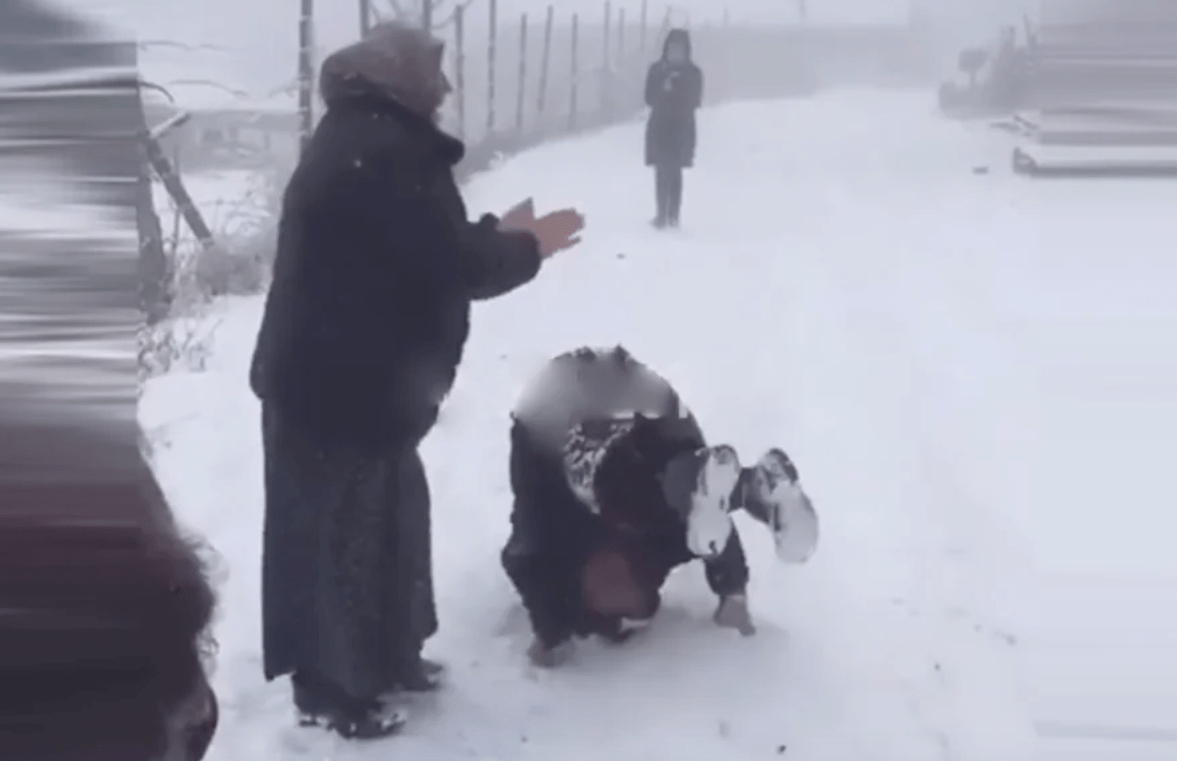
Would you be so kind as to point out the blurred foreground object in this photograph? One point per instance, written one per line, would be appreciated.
(1102, 93)
(103, 604)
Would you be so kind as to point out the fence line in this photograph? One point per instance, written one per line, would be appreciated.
(571, 78)
(550, 95)
(748, 61)
(617, 75)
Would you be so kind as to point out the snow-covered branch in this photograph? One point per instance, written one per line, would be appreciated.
(210, 83)
(148, 44)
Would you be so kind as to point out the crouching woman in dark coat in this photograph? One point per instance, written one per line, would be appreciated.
(674, 92)
(614, 486)
(363, 330)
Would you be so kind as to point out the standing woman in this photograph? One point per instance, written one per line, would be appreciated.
(364, 328)
(674, 91)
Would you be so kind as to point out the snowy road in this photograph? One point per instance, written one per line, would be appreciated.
(974, 374)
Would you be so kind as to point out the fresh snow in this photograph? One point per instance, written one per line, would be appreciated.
(973, 372)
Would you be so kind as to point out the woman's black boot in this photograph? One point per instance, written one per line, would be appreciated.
(662, 197)
(674, 198)
(321, 704)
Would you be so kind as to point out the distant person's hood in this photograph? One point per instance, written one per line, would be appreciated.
(678, 35)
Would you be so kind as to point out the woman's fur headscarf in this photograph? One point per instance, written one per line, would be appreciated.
(394, 60)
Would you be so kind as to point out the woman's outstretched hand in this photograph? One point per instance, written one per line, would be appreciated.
(558, 231)
(555, 232)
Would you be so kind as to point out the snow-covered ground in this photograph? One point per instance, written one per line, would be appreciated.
(975, 373)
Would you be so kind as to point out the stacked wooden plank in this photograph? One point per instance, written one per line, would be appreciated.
(1103, 89)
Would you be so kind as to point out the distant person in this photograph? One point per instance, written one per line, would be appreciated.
(674, 91)
(364, 328)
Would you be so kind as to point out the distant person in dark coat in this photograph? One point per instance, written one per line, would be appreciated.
(364, 328)
(674, 91)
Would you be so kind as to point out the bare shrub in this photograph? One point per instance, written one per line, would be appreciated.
(178, 343)
(239, 265)
(244, 231)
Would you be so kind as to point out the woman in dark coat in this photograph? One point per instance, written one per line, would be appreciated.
(364, 328)
(674, 91)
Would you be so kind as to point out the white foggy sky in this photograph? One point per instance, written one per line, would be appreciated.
(243, 20)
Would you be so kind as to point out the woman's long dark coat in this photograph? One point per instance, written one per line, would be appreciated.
(674, 92)
(363, 330)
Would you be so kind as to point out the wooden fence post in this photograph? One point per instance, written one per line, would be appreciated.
(522, 86)
(306, 72)
(575, 70)
(365, 17)
(604, 103)
(155, 270)
(545, 61)
(492, 56)
(642, 28)
(621, 36)
(170, 179)
(460, 67)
